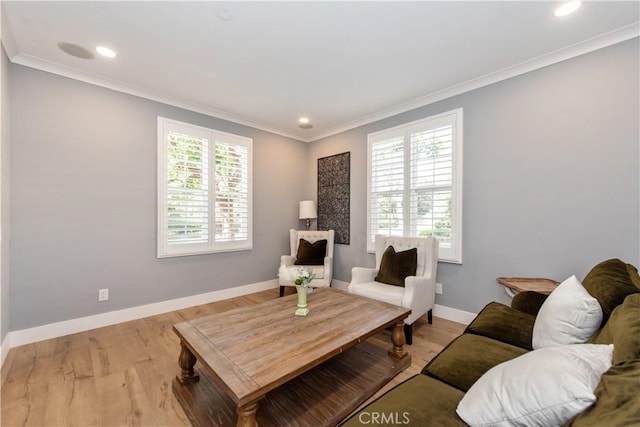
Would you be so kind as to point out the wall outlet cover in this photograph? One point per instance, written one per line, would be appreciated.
(103, 295)
(438, 288)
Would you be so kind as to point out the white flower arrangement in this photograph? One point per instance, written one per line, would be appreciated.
(300, 276)
(305, 276)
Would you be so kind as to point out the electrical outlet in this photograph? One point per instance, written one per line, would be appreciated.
(438, 288)
(103, 295)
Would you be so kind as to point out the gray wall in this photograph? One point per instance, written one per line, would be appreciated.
(551, 187)
(4, 195)
(83, 203)
(551, 182)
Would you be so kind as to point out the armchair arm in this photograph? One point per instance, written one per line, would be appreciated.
(419, 296)
(363, 275)
(528, 302)
(287, 260)
(328, 269)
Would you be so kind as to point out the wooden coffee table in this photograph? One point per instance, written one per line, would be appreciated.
(264, 365)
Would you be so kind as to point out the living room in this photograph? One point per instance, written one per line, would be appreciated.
(550, 184)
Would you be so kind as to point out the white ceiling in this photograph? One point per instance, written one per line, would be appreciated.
(342, 64)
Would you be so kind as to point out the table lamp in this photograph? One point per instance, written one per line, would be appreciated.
(308, 212)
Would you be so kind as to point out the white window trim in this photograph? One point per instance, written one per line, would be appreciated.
(454, 255)
(164, 250)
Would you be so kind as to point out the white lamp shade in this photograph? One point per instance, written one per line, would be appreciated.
(307, 209)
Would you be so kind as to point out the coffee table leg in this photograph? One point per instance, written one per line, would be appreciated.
(398, 340)
(247, 415)
(186, 361)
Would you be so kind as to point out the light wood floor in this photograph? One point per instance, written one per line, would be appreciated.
(121, 375)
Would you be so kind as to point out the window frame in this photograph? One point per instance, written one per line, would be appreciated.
(453, 118)
(164, 248)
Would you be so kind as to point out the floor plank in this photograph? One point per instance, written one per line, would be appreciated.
(121, 374)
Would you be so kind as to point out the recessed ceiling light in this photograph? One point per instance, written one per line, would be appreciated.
(567, 8)
(105, 51)
(304, 123)
(224, 14)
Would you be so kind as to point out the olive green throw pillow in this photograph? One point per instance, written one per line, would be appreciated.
(623, 331)
(610, 282)
(617, 399)
(395, 266)
(311, 253)
(505, 324)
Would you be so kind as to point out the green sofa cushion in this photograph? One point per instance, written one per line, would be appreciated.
(467, 358)
(623, 331)
(505, 324)
(419, 401)
(610, 282)
(618, 399)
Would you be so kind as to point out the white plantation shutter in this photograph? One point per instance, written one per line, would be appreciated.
(415, 182)
(204, 190)
(387, 185)
(232, 191)
(187, 189)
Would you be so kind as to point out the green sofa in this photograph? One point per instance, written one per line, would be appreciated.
(500, 333)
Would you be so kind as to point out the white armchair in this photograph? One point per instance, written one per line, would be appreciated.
(323, 273)
(419, 291)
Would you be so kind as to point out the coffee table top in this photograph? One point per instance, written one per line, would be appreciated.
(251, 350)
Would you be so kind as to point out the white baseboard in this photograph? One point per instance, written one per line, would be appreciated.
(339, 284)
(4, 348)
(72, 326)
(453, 314)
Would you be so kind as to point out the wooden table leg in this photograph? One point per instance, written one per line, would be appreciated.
(247, 415)
(186, 362)
(398, 340)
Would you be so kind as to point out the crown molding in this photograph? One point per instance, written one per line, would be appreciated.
(581, 48)
(6, 35)
(75, 74)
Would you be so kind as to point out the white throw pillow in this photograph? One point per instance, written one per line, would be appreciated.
(569, 315)
(546, 387)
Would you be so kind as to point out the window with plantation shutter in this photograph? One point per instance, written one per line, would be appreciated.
(415, 182)
(204, 190)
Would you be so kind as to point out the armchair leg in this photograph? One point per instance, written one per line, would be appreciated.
(408, 334)
(430, 316)
(281, 291)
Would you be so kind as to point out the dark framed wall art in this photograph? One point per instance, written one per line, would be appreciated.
(334, 195)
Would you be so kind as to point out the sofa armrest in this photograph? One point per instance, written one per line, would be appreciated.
(363, 275)
(528, 302)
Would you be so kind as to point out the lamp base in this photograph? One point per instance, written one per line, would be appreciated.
(307, 222)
